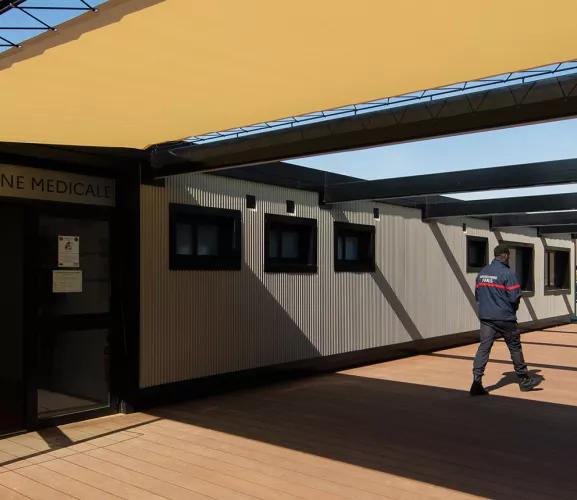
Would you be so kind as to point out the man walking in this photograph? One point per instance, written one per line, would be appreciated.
(498, 294)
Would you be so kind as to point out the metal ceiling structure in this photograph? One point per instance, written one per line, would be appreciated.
(515, 205)
(543, 231)
(149, 72)
(484, 179)
(534, 220)
(22, 20)
(528, 100)
(137, 99)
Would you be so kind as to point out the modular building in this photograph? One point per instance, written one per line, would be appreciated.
(119, 294)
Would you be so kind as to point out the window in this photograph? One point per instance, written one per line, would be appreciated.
(521, 263)
(204, 238)
(290, 244)
(477, 253)
(557, 265)
(354, 247)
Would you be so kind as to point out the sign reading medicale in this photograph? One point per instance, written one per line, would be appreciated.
(49, 185)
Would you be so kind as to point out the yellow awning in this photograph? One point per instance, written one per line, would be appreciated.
(142, 72)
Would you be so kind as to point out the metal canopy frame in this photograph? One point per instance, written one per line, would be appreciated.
(431, 95)
(484, 179)
(542, 231)
(534, 220)
(297, 177)
(549, 97)
(36, 18)
(480, 208)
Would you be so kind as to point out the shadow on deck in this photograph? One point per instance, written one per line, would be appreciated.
(401, 429)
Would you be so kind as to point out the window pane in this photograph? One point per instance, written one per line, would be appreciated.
(207, 239)
(561, 269)
(290, 245)
(351, 248)
(273, 244)
(340, 248)
(476, 253)
(183, 239)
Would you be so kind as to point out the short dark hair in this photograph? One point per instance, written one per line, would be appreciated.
(501, 249)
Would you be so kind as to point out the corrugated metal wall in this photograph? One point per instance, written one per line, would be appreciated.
(200, 323)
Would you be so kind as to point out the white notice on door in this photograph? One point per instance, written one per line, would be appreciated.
(66, 281)
(68, 251)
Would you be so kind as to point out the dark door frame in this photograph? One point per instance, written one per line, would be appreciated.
(120, 379)
(73, 211)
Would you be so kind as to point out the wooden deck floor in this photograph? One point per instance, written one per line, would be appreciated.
(400, 430)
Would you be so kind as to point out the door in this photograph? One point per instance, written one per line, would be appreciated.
(73, 313)
(12, 386)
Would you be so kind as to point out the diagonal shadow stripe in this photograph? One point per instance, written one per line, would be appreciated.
(396, 304)
(568, 304)
(454, 265)
(388, 292)
(530, 308)
(502, 362)
(547, 344)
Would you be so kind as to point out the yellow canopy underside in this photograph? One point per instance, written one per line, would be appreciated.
(141, 72)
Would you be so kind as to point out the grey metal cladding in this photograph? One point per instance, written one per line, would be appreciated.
(202, 323)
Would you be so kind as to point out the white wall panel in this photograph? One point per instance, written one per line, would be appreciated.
(200, 323)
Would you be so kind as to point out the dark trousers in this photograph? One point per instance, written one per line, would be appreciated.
(490, 331)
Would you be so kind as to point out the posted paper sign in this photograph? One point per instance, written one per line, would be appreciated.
(66, 281)
(68, 251)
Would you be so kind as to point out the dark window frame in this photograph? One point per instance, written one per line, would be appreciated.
(552, 290)
(476, 239)
(365, 264)
(527, 292)
(283, 265)
(190, 214)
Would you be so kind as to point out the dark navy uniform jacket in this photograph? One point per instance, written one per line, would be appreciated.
(498, 292)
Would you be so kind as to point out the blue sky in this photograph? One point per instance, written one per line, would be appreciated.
(526, 144)
(17, 18)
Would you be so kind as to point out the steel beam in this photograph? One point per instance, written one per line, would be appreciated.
(485, 179)
(557, 230)
(519, 205)
(541, 100)
(534, 220)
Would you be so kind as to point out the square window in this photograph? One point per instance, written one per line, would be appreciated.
(290, 207)
(204, 238)
(290, 244)
(354, 247)
(557, 265)
(477, 253)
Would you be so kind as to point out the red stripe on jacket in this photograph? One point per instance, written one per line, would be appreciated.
(501, 287)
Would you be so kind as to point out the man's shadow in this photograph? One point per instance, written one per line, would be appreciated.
(511, 378)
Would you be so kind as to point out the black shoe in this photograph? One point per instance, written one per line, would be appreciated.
(477, 389)
(528, 383)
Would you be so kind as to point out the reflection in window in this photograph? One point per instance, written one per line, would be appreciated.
(184, 239)
(521, 262)
(354, 247)
(204, 238)
(290, 244)
(557, 269)
(207, 241)
(477, 253)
